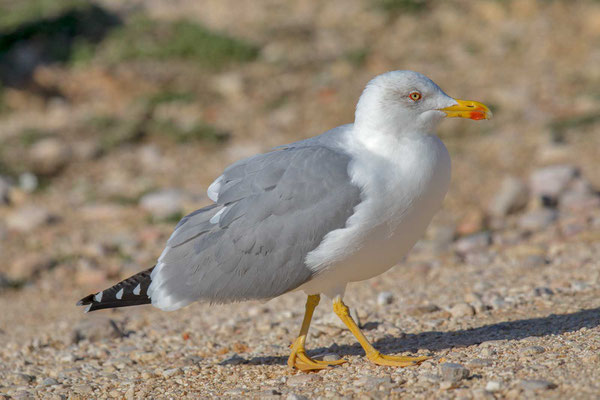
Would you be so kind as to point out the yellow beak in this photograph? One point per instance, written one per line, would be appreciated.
(468, 109)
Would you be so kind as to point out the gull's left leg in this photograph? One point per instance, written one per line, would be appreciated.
(372, 354)
(298, 358)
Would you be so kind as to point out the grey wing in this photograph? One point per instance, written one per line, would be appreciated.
(271, 210)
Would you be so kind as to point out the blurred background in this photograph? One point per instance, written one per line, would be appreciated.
(116, 116)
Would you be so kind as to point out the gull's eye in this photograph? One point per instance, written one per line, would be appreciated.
(415, 96)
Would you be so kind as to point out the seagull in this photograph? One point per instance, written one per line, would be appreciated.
(313, 215)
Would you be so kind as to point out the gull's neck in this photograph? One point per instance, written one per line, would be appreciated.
(384, 138)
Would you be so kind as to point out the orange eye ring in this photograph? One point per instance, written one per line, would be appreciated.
(415, 96)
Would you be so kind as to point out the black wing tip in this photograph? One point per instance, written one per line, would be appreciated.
(122, 294)
(89, 299)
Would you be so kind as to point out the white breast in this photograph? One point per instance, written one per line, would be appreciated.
(404, 181)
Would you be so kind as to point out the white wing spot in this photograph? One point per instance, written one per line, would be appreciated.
(119, 294)
(213, 189)
(137, 289)
(215, 218)
(98, 297)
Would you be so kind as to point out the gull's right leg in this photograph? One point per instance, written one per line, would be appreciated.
(298, 358)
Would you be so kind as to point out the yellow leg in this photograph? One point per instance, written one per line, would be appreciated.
(372, 354)
(298, 358)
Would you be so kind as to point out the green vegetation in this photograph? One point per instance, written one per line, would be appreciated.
(277, 102)
(15, 13)
(29, 136)
(5, 168)
(558, 128)
(143, 38)
(169, 219)
(82, 52)
(400, 6)
(357, 57)
(197, 132)
(3, 106)
(168, 96)
(115, 131)
(76, 31)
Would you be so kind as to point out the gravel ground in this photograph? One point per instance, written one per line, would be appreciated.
(519, 329)
(503, 293)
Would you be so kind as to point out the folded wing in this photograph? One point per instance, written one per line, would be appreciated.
(271, 210)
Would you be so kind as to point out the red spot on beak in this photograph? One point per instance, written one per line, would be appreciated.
(477, 115)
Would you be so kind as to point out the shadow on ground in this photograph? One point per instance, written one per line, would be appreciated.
(435, 340)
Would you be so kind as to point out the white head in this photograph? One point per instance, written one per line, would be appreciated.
(402, 102)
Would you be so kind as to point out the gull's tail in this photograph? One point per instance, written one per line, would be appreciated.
(133, 291)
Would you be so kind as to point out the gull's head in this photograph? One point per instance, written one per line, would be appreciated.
(409, 102)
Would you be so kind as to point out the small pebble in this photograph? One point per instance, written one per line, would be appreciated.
(49, 382)
(429, 377)
(480, 394)
(331, 357)
(96, 328)
(48, 156)
(268, 394)
(532, 350)
(488, 352)
(462, 310)
(472, 243)
(480, 362)
(534, 260)
(86, 150)
(416, 311)
(28, 218)
(537, 220)
(576, 201)
(497, 302)
(385, 298)
(302, 379)
(163, 203)
(552, 181)
(536, 384)
(472, 222)
(294, 396)
(542, 292)
(130, 394)
(493, 386)
(235, 392)
(24, 379)
(171, 372)
(453, 372)
(83, 389)
(579, 286)
(446, 385)
(511, 197)
(28, 182)
(29, 266)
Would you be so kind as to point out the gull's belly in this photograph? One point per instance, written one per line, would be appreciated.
(388, 223)
(383, 249)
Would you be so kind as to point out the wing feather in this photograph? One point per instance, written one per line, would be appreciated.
(274, 209)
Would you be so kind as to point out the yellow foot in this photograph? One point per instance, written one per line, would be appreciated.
(395, 361)
(298, 359)
(303, 362)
